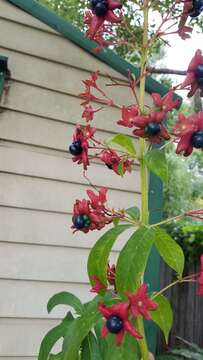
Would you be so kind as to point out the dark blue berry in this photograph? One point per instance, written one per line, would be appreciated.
(114, 324)
(75, 148)
(199, 75)
(197, 8)
(200, 83)
(197, 5)
(152, 129)
(194, 13)
(101, 9)
(197, 140)
(199, 71)
(78, 221)
(93, 4)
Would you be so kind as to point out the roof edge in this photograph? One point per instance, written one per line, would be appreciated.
(71, 33)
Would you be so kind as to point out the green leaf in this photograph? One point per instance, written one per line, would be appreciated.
(169, 250)
(116, 221)
(188, 354)
(133, 212)
(156, 162)
(53, 336)
(133, 259)
(90, 348)
(78, 330)
(125, 142)
(121, 168)
(99, 255)
(128, 350)
(163, 315)
(56, 356)
(65, 298)
(167, 357)
(191, 345)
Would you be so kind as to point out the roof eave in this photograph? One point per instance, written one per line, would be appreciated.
(76, 36)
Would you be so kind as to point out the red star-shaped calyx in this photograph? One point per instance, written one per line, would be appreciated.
(194, 77)
(187, 129)
(98, 18)
(140, 303)
(121, 312)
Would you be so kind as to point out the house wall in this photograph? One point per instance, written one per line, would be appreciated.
(39, 256)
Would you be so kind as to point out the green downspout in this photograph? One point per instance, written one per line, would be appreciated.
(4, 72)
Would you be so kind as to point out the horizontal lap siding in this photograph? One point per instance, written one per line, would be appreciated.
(38, 181)
(40, 227)
(21, 337)
(34, 297)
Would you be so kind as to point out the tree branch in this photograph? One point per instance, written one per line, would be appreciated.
(165, 71)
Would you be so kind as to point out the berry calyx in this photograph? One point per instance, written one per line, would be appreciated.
(152, 129)
(114, 324)
(86, 221)
(75, 148)
(197, 140)
(99, 7)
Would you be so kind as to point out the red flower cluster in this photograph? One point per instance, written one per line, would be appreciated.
(190, 132)
(98, 286)
(112, 160)
(118, 315)
(91, 214)
(100, 36)
(117, 321)
(200, 279)
(150, 125)
(101, 11)
(192, 8)
(79, 146)
(194, 78)
(111, 274)
(129, 115)
(88, 113)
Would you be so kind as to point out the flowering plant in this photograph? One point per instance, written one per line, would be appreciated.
(112, 324)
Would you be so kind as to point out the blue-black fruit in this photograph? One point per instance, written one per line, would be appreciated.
(75, 148)
(114, 324)
(199, 71)
(197, 140)
(78, 221)
(197, 8)
(101, 9)
(152, 128)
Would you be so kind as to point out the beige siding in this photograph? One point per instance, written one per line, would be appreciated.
(38, 181)
(21, 337)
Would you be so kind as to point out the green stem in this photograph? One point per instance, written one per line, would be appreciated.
(143, 168)
(166, 221)
(166, 288)
(144, 184)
